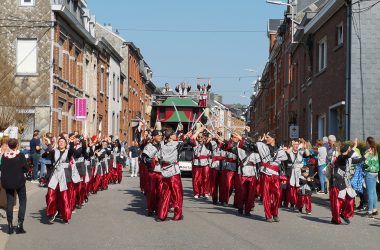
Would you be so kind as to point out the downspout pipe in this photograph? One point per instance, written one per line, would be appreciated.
(348, 70)
(52, 41)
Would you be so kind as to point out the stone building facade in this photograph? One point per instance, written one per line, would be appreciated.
(26, 33)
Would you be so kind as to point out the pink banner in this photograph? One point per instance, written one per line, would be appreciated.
(81, 108)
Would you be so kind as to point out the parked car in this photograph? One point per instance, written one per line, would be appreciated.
(185, 158)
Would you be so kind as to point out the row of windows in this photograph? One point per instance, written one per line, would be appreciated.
(322, 47)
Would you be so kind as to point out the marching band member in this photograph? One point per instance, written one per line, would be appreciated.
(218, 156)
(246, 179)
(295, 155)
(304, 193)
(229, 171)
(201, 164)
(79, 158)
(171, 193)
(150, 158)
(57, 197)
(271, 158)
(101, 166)
(342, 195)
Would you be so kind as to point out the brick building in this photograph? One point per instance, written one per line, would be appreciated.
(137, 89)
(323, 77)
(70, 40)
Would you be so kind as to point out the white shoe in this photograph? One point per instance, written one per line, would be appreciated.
(206, 195)
(35, 182)
(196, 196)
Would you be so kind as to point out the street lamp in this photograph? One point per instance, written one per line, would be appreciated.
(292, 9)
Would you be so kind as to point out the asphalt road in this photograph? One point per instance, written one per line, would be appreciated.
(115, 219)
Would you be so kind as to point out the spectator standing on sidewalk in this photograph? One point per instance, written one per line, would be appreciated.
(3, 149)
(322, 157)
(35, 153)
(371, 167)
(13, 167)
(134, 158)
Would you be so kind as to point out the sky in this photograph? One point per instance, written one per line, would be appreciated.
(178, 56)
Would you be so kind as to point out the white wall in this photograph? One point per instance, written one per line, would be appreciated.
(114, 99)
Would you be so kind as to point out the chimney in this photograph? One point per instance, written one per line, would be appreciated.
(108, 26)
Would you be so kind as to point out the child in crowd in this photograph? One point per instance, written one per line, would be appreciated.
(304, 193)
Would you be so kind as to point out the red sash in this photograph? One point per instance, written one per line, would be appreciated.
(272, 167)
(201, 157)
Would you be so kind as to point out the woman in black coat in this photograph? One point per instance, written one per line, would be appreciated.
(13, 167)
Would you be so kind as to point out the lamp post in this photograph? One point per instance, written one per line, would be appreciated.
(292, 10)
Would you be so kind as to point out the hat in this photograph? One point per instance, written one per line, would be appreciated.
(156, 132)
(344, 148)
(93, 138)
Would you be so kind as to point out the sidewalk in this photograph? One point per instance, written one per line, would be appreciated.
(30, 188)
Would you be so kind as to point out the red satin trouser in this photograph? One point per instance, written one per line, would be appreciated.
(71, 194)
(304, 200)
(215, 178)
(74, 193)
(58, 201)
(90, 183)
(112, 175)
(97, 182)
(271, 194)
(81, 195)
(105, 179)
(201, 180)
(119, 172)
(171, 195)
(259, 190)
(246, 187)
(154, 189)
(284, 193)
(227, 183)
(339, 207)
(143, 175)
(291, 195)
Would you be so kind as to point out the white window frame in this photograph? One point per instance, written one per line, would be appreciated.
(339, 35)
(20, 61)
(322, 64)
(114, 87)
(23, 3)
(118, 89)
(321, 121)
(102, 80)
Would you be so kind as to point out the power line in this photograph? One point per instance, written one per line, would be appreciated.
(192, 31)
(360, 10)
(203, 77)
